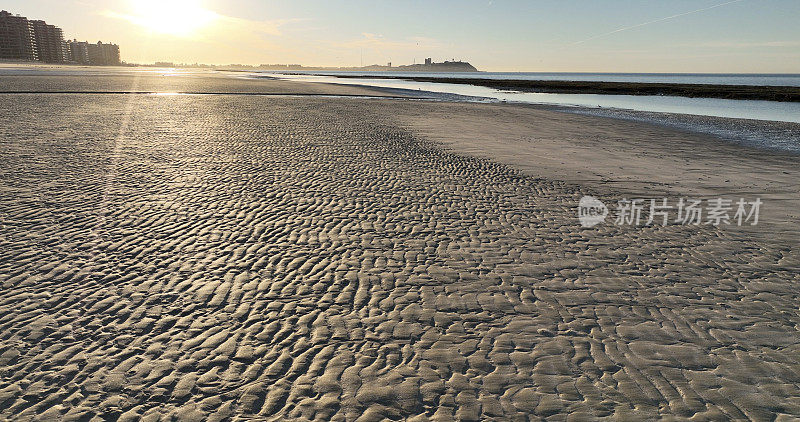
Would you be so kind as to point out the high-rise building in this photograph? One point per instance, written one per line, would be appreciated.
(17, 40)
(49, 42)
(78, 51)
(111, 54)
(103, 54)
(23, 39)
(95, 53)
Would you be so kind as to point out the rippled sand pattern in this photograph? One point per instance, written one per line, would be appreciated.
(226, 257)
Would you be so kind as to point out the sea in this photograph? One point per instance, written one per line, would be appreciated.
(767, 125)
(752, 79)
(770, 125)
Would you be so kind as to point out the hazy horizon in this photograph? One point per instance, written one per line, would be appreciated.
(739, 36)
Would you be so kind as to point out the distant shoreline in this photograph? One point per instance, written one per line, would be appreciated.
(730, 92)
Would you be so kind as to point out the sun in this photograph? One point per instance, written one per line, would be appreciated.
(172, 17)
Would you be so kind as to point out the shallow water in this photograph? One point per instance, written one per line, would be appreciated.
(675, 78)
(739, 109)
(761, 124)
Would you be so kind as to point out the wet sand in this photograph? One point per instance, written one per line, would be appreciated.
(730, 92)
(618, 159)
(107, 80)
(273, 257)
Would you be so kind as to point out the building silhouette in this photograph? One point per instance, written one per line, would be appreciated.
(49, 41)
(36, 40)
(103, 54)
(78, 51)
(17, 41)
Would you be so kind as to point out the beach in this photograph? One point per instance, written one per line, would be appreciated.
(732, 92)
(267, 249)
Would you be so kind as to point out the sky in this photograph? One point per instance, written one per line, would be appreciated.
(713, 36)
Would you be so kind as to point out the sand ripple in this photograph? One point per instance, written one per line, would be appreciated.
(210, 257)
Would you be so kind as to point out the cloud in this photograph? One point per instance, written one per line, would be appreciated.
(207, 24)
(197, 34)
(269, 27)
(760, 44)
(379, 42)
(666, 18)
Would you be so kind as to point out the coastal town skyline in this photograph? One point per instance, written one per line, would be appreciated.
(35, 40)
(737, 36)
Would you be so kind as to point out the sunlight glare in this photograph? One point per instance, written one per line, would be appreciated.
(173, 17)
